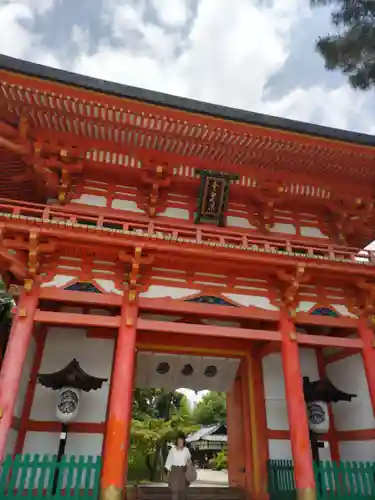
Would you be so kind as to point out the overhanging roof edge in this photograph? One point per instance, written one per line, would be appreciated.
(181, 103)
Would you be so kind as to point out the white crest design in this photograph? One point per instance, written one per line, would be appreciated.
(68, 404)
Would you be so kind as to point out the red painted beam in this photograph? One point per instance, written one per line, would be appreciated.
(206, 310)
(175, 344)
(92, 320)
(207, 330)
(245, 257)
(339, 355)
(73, 297)
(320, 340)
(166, 305)
(356, 435)
(75, 319)
(79, 427)
(285, 434)
(303, 318)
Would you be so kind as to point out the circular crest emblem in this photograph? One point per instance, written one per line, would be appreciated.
(316, 413)
(68, 402)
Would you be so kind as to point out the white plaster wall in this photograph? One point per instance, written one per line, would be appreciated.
(93, 200)
(95, 357)
(279, 449)
(348, 375)
(175, 213)
(357, 451)
(274, 388)
(25, 378)
(76, 444)
(242, 222)
(281, 227)
(312, 232)
(11, 442)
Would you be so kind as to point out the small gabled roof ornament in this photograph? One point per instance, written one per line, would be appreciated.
(323, 390)
(71, 376)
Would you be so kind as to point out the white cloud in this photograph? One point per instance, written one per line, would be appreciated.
(228, 55)
(17, 38)
(14, 38)
(192, 396)
(172, 13)
(336, 107)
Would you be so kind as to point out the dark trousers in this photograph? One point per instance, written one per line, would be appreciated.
(179, 495)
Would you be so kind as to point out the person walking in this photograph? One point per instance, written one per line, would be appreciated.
(176, 464)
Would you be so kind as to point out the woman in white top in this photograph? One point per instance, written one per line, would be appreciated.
(178, 459)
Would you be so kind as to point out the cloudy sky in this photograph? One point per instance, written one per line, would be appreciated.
(251, 54)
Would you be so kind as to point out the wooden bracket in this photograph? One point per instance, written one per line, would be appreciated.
(351, 215)
(267, 195)
(291, 284)
(22, 256)
(157, 179)
(293, 336)
(136, 260)
(366, 299)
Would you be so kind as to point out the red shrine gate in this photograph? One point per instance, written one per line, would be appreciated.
(122, 206)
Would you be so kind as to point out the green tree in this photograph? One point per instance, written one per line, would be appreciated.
(157, 403)
(351, 49)
(150, 437)
(212, 409)
(158, 416)
(220, 460)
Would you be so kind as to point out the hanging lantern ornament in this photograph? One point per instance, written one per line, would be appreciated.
(318, 394)
(69, 383)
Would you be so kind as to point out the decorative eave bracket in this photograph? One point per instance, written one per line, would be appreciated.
(290, 285)
(157, 179)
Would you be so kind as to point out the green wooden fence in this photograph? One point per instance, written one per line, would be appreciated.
(334, 481)
(32, 476)
(281, 484)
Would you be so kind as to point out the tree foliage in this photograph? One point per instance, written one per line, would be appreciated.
(212, 409)
(158, 416)
(220, 460)
(157, 403)
(352, 48)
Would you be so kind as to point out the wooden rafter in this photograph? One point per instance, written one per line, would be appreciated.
(48, 105)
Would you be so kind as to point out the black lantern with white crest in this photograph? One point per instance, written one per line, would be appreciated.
(68, 383)
(318, 394)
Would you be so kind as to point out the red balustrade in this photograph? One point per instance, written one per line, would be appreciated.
(227, 238)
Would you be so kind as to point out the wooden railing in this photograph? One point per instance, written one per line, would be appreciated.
(32, 476)
(198, 235)
(334, 480)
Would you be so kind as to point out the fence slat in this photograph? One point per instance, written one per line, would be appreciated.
(14, 473)
(5, 475)
(97, 471)
(334, 480)
(28, 477)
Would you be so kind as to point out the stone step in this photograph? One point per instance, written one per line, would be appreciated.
(193, 493)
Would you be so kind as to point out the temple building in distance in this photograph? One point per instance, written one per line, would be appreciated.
(155, 241)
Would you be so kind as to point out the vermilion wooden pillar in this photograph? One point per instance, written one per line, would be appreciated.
(236, 444)
(298, 423)
(260, 439)
(247, 427)
(368, 355)
(117, 432)
(11, 369)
